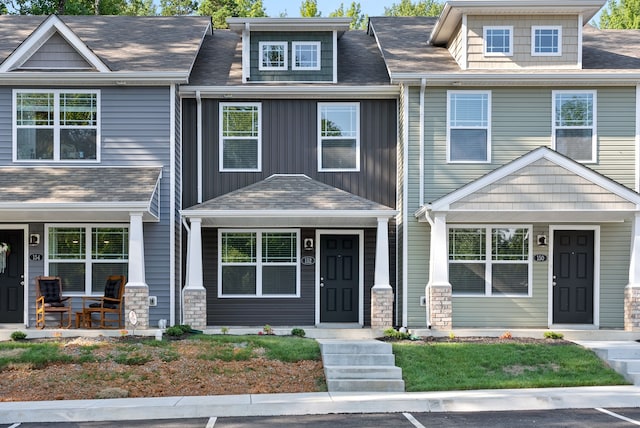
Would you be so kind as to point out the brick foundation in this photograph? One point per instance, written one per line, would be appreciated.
(632, 308)
(136, 298)
(440, 311)
(194, 307)
(381, 308)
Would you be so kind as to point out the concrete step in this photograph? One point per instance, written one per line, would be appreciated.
(355, 347)
(363, 372)
(621, 365)
(358, 359)
(365, 385)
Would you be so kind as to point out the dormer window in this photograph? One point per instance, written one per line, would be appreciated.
(498, 41)
(273, 56)
(306, 55)
(546, 41)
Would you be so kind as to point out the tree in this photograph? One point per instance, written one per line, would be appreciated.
(358, 19)
(408, 8)
(178, 7)
(220, 10)
(309, 9)
(79, 7)
(621, 15)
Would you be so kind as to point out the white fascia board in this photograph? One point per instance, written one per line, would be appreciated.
(288, 213)
(497, 78)
(290, 24)
(320, 91)
(93, 78)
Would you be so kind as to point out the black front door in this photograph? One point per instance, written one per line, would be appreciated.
(11, 276)
(573, 260)
(339, 278)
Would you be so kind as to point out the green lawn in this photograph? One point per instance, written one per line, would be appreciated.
(459, 366)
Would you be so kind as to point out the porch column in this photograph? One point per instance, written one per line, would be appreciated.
(438, 289)
(381, 292)
(632, 290)
(136, 291)
(194, 295)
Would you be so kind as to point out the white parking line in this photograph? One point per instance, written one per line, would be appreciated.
(15, 425)
(413, 420)
(615, 415)
(211, 423)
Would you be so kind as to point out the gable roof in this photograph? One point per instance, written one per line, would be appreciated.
(125, 45)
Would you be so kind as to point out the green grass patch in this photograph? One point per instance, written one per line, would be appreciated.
(286, 349)
(461, 366)
(37, 355)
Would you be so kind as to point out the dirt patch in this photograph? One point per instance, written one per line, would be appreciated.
(517, 370)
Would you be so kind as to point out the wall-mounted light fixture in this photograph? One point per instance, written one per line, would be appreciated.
(308, 244)
(34, 239)
(542, 240)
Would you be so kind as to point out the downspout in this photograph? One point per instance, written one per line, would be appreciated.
(186, 274)
(172, 206)
(426, 297)
(423, 84)
(637, 140)
(199, 143)
(405, 204)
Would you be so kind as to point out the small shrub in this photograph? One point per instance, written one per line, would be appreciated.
(268, 330)
(451, 336)
(506, 335)
(186, 328)
(224, 330)
(553, 335)
(392, 333)
(298, 332)
(174, 331)
(18, 335)
(134, 359)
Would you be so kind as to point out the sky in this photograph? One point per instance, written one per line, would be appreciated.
(292, 7)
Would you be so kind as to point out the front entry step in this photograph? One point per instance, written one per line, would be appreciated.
(358, 366)
(622, 356)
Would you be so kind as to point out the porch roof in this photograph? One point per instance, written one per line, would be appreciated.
(31, 194)
(289, 200)
(541, 186)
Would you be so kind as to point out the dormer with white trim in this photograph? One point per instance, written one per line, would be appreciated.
(301, 50)
(514, 34)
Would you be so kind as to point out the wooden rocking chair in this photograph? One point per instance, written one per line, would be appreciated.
(49, 300)
(110, 303)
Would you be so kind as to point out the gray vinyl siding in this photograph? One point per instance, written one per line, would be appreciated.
(615, 241)
(56, 53)
(325, 74)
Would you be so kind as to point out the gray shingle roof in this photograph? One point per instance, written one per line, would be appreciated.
(219, 62)
(123, 43)
(289, 192)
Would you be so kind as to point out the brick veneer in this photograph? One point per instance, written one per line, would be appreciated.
(381, 308)
(632, 308)
(136, 298)
(440, 310)
(195, 308)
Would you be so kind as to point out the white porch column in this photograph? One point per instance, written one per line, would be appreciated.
(136, 291)
(438, 289)
(632, 290)
(194, 295)
(381, 292)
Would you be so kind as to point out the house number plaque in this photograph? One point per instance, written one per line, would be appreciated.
(308, 260)
(36, 257)
(540, 257)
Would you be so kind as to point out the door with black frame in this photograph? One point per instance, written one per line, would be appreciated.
(11, 276)
(339, 278)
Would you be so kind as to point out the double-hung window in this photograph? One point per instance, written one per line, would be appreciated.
(273, 55)
(258, 263)
(240, 136)
(546, 41)
(84, 256)
(61, 125)
(574, 124)
(469, 126)
(306, 55)
(498, 41)
(339, 136)
(490, 261)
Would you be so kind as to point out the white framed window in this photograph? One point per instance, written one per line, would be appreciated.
(490, 260)
(240, 137)
(56, 125)
(498, 40)
(469, 126)
(574, 124)
(338, 136)
(306, 55)
(273, 55)
(546, 40)
(258, 263)
(85, 255)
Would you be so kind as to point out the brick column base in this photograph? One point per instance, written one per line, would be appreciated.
(632, 308)
(136, 298)
(381, 308)
(194, 308)
(440, 312)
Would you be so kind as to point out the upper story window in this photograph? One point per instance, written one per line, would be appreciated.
(338, 136)
(84, 256)
(306, 55)
(240, 137)
(498, 41)
(56, 125)
(546, 41)
(490, 261)
(469, 126)
(273, 56)
(574, 124)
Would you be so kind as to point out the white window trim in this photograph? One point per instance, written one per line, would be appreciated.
(88, 261)
(262, 67)
(594, 126)
(533, 40)
(321, 138)
(221, 138)
(488, 127)
(497, 27)
(56, 127)
(294, 45)
(488, 262)
(259, 264)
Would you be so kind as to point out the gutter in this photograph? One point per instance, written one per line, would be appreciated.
(307, 91)
(103, 78)
(576, 78)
